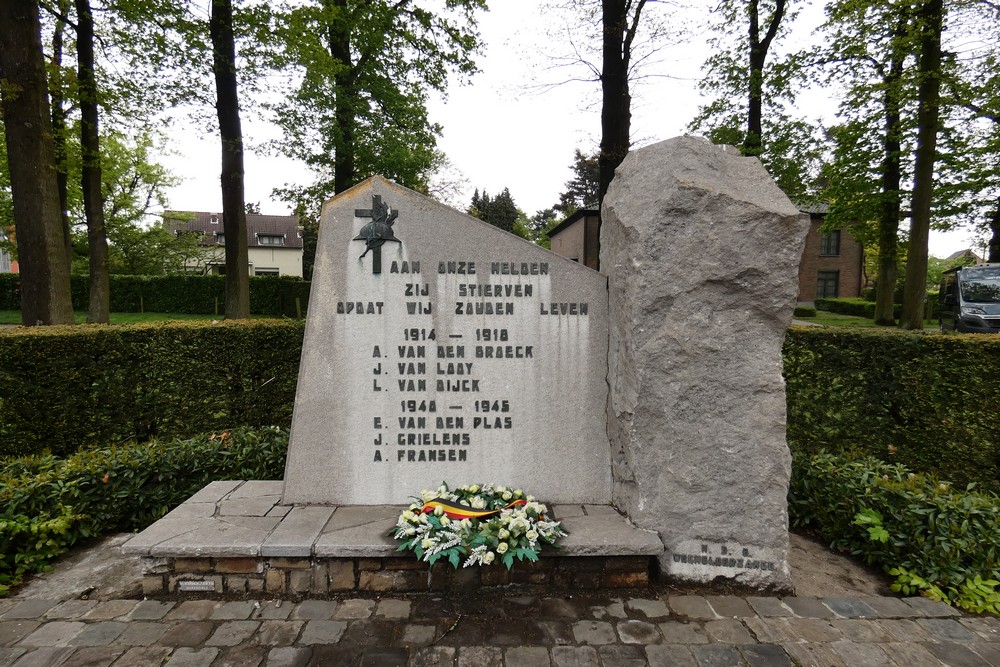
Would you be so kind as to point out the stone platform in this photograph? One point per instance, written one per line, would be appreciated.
(237, 538)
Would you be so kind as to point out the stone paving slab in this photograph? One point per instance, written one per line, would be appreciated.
(213, 492)
(359, 531)
(501, 628)
(296, 534)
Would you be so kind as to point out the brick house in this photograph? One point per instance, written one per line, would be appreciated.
(274, 242)
(832, 263)
(579, 237)
(7, 263)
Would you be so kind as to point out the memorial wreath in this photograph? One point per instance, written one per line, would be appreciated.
(479, 524)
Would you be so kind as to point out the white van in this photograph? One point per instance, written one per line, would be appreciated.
(970, 299)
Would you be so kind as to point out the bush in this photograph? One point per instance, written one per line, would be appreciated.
(269, 295)
(933, 538)
(926, 401)
(51, 504)
(804, 311)
(63, 388)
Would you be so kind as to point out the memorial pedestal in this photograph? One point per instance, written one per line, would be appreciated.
(236, 538)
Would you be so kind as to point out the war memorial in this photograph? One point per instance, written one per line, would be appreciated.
(644, 404)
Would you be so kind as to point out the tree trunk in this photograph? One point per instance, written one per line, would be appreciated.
(753, 143)
(41, 247)
(616, 113)
(234, 221)
(59, 128)
(339, 41)
(98, 310)
(888, 255)
(993, 254)
(928, 97)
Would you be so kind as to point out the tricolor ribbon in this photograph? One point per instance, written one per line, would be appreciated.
(455, 511)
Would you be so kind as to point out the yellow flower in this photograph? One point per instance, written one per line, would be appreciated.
(427, 543)
(445, 521)
(502, 548)
(473, 488)
(438, 511)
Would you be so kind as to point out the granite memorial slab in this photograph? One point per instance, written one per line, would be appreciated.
(440, 348)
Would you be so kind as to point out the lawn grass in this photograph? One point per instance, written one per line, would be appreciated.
(829, 319)
(14, 317)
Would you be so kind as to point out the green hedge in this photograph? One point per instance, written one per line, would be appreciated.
(269, 295)
(50, 504)
(852, 306)
(864, 308)
(927, 401)
(62, 388)
(933, 538)
(804, 311)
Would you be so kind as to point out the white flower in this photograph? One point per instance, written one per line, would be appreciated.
(478, 502)
(488, 558)
(537, 508)
(532, 535)
(445, 521)
(473, 488)
(411, 531)
(438, 511)
(507, 495)
(502, 548)
(427, 543)
(503, 534)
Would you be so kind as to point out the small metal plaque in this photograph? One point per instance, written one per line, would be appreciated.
(191, 586)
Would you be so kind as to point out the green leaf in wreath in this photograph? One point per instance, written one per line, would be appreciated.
(453, 557)
(530, 554)
(508, 560)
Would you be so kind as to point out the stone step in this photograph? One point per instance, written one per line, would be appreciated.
(236, 537)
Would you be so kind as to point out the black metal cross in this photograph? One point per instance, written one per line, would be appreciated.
(377, 251)
(376, 232)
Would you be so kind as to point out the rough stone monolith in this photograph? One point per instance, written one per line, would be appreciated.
(702, 250)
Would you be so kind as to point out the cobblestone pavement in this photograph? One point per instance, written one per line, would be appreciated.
(497, 628)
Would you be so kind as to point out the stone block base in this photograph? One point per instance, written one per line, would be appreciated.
(298, 578)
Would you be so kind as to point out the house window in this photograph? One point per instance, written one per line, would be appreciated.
(826, 284)
(829, 244)
(220, 238)
(265, 272)
(270, 239)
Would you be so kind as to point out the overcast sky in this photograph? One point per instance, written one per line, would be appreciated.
(503, 130)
